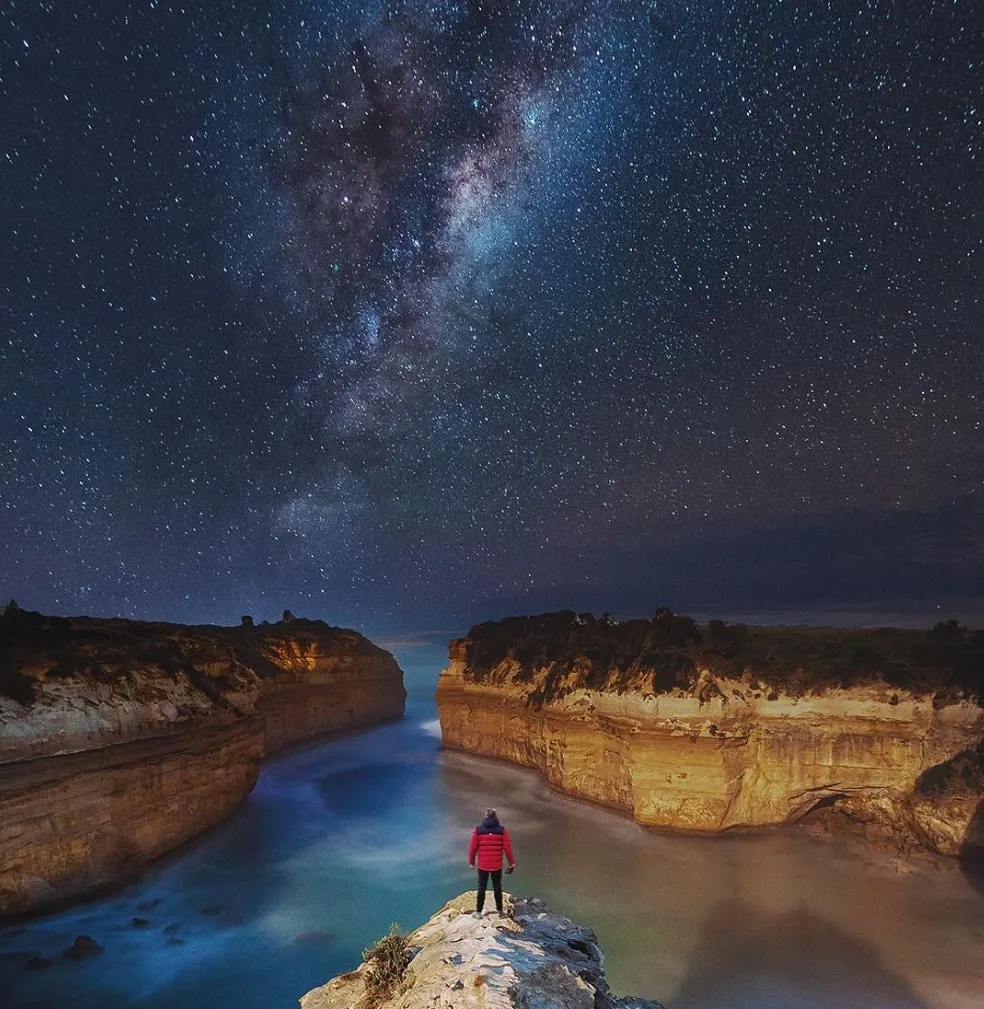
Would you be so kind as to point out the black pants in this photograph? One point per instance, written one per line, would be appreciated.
(483, 883)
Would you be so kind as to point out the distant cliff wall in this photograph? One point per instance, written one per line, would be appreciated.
(644, 720)
(120, 740)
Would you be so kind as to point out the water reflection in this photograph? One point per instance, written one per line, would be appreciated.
(658, 901)
(315, 865)
(746, 958)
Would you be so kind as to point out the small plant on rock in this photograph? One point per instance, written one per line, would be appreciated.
(386, 962)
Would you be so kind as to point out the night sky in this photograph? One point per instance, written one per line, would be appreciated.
(407, 315)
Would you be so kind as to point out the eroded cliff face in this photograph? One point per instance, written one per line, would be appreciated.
(710, 752)
(530, 959)
(323, 686)
(120, 740)
(946, 808)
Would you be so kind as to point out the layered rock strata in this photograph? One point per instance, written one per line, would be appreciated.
(531, 958)
(120, 740)
(710, 744)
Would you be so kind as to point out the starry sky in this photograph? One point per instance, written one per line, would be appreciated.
(411, 314)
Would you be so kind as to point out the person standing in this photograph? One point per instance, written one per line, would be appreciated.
(489, 842)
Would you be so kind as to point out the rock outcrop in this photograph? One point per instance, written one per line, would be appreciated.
(531, 959)
(706, 729)
(120, 740)
(946, 808)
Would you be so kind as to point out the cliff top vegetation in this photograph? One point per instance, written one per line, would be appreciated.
(556, 652)
(34, 646)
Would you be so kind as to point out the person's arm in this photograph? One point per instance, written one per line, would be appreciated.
(473, 849)
(507, 847)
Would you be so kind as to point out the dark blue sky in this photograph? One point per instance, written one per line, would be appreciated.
(409, 315)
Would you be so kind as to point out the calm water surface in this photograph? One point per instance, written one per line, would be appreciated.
(341, 839)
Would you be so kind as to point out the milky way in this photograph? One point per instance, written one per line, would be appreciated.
(407, 315)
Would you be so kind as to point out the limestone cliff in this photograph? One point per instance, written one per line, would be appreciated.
(120, 740)
(946, 809)
(707, 729)
(531, 959)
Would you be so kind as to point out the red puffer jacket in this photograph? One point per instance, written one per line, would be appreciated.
(489, 841)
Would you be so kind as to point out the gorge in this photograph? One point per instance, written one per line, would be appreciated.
(344, 836)
(726, 727)
(120, 740)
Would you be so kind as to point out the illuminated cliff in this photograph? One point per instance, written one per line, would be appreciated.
(707, 729)
(119, 740)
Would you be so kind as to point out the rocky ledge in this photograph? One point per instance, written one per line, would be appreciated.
(120, 740)
(530, 959)
(719, 727)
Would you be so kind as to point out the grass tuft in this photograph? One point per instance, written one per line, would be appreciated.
(386, 964)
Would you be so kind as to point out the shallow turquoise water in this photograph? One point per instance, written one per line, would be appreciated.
(342, 838)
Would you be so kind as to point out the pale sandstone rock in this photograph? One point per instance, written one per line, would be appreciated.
(148, 734)
(719, 756)
(952, 826)
(946, 808)
(531, 960)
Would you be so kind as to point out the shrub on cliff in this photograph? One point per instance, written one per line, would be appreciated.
(16, 685)
(565, 650)
(15, 622)
(386, 962)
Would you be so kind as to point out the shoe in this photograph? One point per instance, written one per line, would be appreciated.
(476, 914)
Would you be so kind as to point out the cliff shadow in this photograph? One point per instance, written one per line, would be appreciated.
(944, 788)
(971, 856)
(747, 957)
